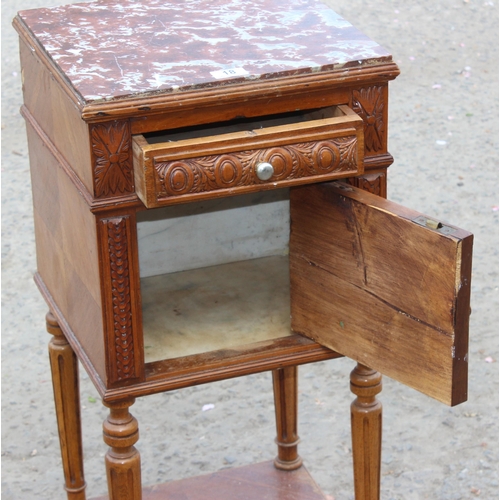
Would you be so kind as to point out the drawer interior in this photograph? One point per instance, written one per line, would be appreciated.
(242, 125)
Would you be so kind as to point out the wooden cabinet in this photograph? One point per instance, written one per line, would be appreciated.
(188, 229)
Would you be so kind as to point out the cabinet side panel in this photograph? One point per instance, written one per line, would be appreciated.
(57, 115)
(67, 257)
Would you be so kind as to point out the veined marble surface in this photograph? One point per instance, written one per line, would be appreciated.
(114, 49)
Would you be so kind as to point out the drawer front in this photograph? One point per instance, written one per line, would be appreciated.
(250, 160)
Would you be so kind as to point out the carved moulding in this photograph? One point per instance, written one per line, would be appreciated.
(375, 183)
(369, 103)
(233, 170)
(112, 159)
(120, 306)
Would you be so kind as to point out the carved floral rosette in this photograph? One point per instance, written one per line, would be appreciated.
(112, 158)
(369, 103)
(238, 169)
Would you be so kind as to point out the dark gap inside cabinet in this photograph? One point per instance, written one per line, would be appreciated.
(241, 124)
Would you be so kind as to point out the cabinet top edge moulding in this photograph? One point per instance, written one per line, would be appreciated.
(112, 57)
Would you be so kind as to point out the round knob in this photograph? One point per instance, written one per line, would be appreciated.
(264, 171)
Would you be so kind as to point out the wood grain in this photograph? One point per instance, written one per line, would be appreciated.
(57, 115)
(366, 432)
(286, 395)
(375, 286)
(65, 382)
(85, 209)
(256, 482)
(67, 257)
(123, 461)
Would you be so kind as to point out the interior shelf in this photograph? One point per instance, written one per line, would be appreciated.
(215, 308)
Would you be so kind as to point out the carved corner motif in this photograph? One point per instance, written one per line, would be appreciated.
(233, 170)
(369, 104)
(122, 350)
(373, 183)
(112, 159)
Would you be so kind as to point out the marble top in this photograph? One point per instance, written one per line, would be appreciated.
(115, 49)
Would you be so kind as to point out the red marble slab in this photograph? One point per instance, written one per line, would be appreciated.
(115, 49)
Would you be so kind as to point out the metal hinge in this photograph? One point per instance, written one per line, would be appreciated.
(434, 224)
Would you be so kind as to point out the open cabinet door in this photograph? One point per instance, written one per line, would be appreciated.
(383, 285)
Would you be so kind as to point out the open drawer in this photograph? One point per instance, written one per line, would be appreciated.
(248, 155)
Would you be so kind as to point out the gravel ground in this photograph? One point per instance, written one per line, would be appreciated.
(444, 136)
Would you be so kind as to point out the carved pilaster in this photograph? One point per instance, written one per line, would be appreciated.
(112, 159)
(122, 307)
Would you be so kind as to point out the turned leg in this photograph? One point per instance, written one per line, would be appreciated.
(123, 462)
(64, 367)
(285, 384)
(366, 429)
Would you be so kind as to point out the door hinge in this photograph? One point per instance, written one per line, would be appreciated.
(434, 224)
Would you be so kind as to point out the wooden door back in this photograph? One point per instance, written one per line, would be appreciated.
(383, 285)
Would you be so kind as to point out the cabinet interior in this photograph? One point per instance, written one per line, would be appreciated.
(214, 274)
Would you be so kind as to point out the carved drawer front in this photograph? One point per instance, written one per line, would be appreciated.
(248, 155)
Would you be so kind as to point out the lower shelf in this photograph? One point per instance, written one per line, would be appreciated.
(258, 481)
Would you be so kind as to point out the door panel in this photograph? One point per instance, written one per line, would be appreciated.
(383, 285)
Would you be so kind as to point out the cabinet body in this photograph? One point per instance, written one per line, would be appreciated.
(90, 182)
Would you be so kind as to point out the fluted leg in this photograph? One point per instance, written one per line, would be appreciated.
(123, 462)
(285, 383)
(366, 429)
(65, 381)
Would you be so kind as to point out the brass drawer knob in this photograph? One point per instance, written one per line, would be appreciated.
(264, 171)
